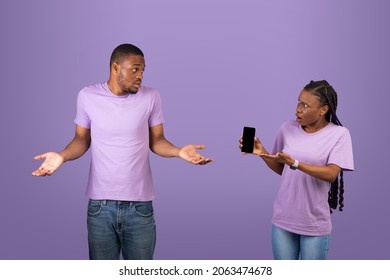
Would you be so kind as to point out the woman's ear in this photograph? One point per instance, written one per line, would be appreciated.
(323, 110)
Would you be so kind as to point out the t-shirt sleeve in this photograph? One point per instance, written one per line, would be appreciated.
(342, 154)
(279, 140)
(278, 143)
(156, 116)
(82, 118)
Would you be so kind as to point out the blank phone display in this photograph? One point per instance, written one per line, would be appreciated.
(248, 139)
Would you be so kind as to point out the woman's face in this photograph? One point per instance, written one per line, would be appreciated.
(309, 111)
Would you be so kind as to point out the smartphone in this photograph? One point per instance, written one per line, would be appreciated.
(248, 139)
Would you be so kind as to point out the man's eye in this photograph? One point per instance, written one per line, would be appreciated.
(136, 70)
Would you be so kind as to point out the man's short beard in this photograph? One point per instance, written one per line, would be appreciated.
(125, 89)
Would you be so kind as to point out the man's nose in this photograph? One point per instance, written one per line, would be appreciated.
(140, 75)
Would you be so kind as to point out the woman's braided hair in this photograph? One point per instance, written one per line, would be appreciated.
(328, 96)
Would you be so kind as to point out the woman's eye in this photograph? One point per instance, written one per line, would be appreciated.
(303, 105)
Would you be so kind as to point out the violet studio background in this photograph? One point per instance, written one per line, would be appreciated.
(219, 65)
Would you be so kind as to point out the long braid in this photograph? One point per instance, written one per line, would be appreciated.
(328, 96)
(341, 201)
(333, 195)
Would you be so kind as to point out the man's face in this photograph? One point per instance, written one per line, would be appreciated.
(130, 73)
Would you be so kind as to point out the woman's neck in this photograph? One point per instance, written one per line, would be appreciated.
(315, 127)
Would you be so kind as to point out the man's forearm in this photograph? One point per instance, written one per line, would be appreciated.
(75, 149)
(164, 148)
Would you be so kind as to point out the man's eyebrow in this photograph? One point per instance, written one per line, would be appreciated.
(138, 64)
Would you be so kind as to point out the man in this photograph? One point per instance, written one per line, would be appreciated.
(120, 120)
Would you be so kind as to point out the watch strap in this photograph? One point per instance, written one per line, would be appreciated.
(294, 166)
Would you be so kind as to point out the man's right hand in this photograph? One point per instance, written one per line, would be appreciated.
(52, 162)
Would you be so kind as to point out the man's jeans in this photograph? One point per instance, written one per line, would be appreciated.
(121, 226)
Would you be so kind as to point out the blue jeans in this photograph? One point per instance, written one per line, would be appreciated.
(121, 226)
(290, 246)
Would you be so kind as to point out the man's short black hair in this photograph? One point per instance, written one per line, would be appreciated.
(124, 50)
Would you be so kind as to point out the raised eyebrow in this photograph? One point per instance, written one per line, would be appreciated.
(138, 66)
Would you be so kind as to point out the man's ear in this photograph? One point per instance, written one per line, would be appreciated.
(115, 67)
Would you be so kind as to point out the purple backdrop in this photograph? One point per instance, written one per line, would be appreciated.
(219, 65)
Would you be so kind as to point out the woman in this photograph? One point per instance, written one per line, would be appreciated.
(309, 154)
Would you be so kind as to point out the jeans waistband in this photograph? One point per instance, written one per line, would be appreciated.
(116, 202)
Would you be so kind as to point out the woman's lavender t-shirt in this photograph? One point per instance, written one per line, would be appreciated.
(301, 204)
(120, 167)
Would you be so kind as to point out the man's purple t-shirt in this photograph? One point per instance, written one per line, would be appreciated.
(120, 167)
(301, 205)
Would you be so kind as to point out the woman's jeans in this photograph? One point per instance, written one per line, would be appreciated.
(121, 226)
(290, 246)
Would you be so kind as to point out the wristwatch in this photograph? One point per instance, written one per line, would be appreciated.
(294, 166)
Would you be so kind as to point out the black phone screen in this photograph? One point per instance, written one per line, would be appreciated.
(248, 139)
